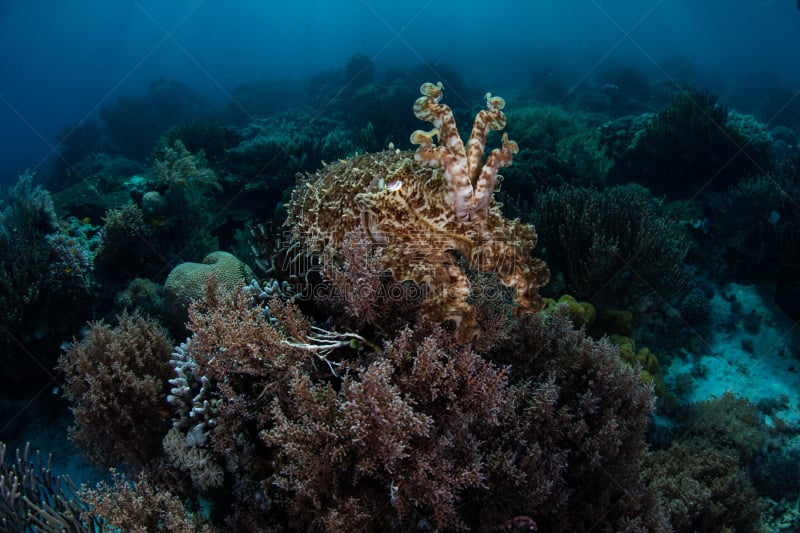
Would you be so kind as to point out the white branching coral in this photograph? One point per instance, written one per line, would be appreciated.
(186, 443)
(190, 397)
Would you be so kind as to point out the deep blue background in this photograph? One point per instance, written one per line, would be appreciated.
(64, 59)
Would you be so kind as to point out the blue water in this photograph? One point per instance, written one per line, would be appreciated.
(63, 61)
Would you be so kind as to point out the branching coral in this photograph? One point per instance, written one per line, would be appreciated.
(188, 186)
(180, 169)
(398, 440)
(116, 378)
(424, 211)
(703, 488)
(424, 429)
(571, 433)
(140, 507)
(32, 498)
(613, 248)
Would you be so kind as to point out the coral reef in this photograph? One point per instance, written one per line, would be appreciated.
(126, 248)
(557, 147)
(340, 435)
(419, 208)
(574, 419)
(730, 423)
(141, 296)
(758, 223)
(643, 359)
(612, 248)
(43, 270)
(408, 422)
(627, 88)
(133, 124)
(116, 379)
(397, 368)
(179, 169)
(183, 218)
(703, 488)
(140, 507)
(690, 146)
(582, 314)
(26, 220)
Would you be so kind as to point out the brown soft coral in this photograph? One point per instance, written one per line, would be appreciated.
(398, 441)
(424, 210)
(703, 488)
(421, 432)
(138, 506)
(116, 379)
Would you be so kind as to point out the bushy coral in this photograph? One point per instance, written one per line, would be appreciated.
(612, 248)
(116, 380)
(24, 254)
(333, 436)
(730, 423)
(140, 507)
(177, 169)
(188, 186)
(690, 146)
(568, 446)
(126, 246)
(759, 226)
(42, 271)
(695, 309)
(398, 441)
(703, 488)
(29, 209)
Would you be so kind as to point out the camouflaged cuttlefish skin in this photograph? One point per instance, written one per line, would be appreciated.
(422, 209)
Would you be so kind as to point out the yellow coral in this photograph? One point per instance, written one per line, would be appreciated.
(644, 358)
(582, 314)
(423, 210)
(187, 282)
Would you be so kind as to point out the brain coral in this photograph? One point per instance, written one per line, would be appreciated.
(187, 282)
(428, 213)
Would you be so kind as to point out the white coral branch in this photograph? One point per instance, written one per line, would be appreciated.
(322, 342)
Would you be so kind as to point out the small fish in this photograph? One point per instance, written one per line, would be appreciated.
(774, 216)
